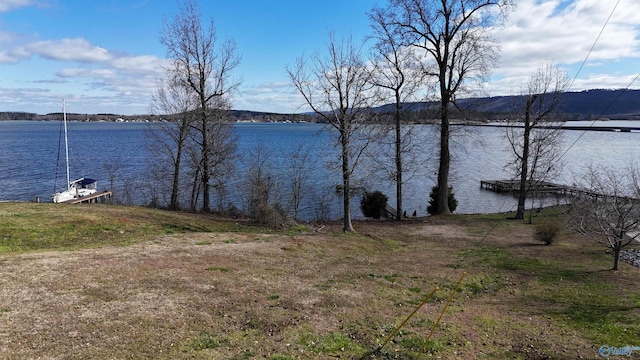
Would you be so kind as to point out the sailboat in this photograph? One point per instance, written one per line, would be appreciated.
(80, 187)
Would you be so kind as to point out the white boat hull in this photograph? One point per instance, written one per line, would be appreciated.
(72, 194)
(77, 189)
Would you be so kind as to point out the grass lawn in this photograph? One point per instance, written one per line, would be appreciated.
(99, 281)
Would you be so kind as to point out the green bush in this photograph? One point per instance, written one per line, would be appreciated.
(548, 231)
(373, 204)
(432, 208)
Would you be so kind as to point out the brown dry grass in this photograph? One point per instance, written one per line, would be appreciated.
(320, 295)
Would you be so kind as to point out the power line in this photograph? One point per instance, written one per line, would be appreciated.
(480, 241)
(580, 69)
(594, 43)
(599, 116)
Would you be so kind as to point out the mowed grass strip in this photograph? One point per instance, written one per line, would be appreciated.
(28, 227)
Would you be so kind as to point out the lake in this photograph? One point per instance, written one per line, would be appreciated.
(117, 152)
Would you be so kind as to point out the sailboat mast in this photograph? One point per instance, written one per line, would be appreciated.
(66, 141)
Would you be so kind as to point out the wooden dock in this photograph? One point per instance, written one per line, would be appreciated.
(390, 212)
(541, 188)
(101, 196)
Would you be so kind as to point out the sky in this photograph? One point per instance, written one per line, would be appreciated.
(105, 56)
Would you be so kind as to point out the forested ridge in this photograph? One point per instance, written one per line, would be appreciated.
(589, 104)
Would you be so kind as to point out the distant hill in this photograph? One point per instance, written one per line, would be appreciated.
(590, 104)
(583, 105)
(618, 104)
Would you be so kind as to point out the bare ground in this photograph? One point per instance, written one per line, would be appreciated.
(317, 295)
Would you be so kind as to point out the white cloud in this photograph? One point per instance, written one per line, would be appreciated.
(13, 55)
(563, 32)
(83, 72)
(76, 49)
(22, 99)
(8, 5)
(125, 81)
(57, 80)
(604, 81)
(128, 89)
(146, 63)
(269, 97)
(6, 37)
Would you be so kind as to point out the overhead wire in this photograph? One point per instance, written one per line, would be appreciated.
(480, 241)
(595, 42)
(600, 116)
(578, 73)
(495, 225)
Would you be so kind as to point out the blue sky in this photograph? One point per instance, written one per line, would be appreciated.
(103, 56)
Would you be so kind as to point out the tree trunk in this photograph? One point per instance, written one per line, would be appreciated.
(175, 186)
(445, 158)
(205, 164)
(616, 253)
(524, 165)
(195, 190)
(398, 160)
(346, 183)
(174, 203)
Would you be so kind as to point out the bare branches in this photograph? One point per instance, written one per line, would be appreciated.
(544, 88)
(533, 142)
(455, 35)
(453, 42)
(398, 72)
(336, 86)
(199, 60)
(612, 215)
(201, 66)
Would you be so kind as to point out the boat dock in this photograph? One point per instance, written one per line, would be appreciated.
(390, 212)
(101, 196)
(542, 187)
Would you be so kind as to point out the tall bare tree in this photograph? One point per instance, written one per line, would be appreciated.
(259, 183)
(396, 71)
(170, 139)
(337, 88)
(112, 169)
(203, 65)
(454, 37)
(298, 171)
(221, 152)
(533, 139)
(612, 216)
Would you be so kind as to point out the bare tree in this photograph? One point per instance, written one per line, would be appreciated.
(112, 169)
(611, 215)
(322, 198)
(396, 70)
(454, 37)
(262, 188)
(533, 139)
(169, 140)
(337, 88)
(221, 155)
(204, 66)
(300, 163)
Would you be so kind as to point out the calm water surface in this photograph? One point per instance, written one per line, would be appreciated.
(118, 151)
